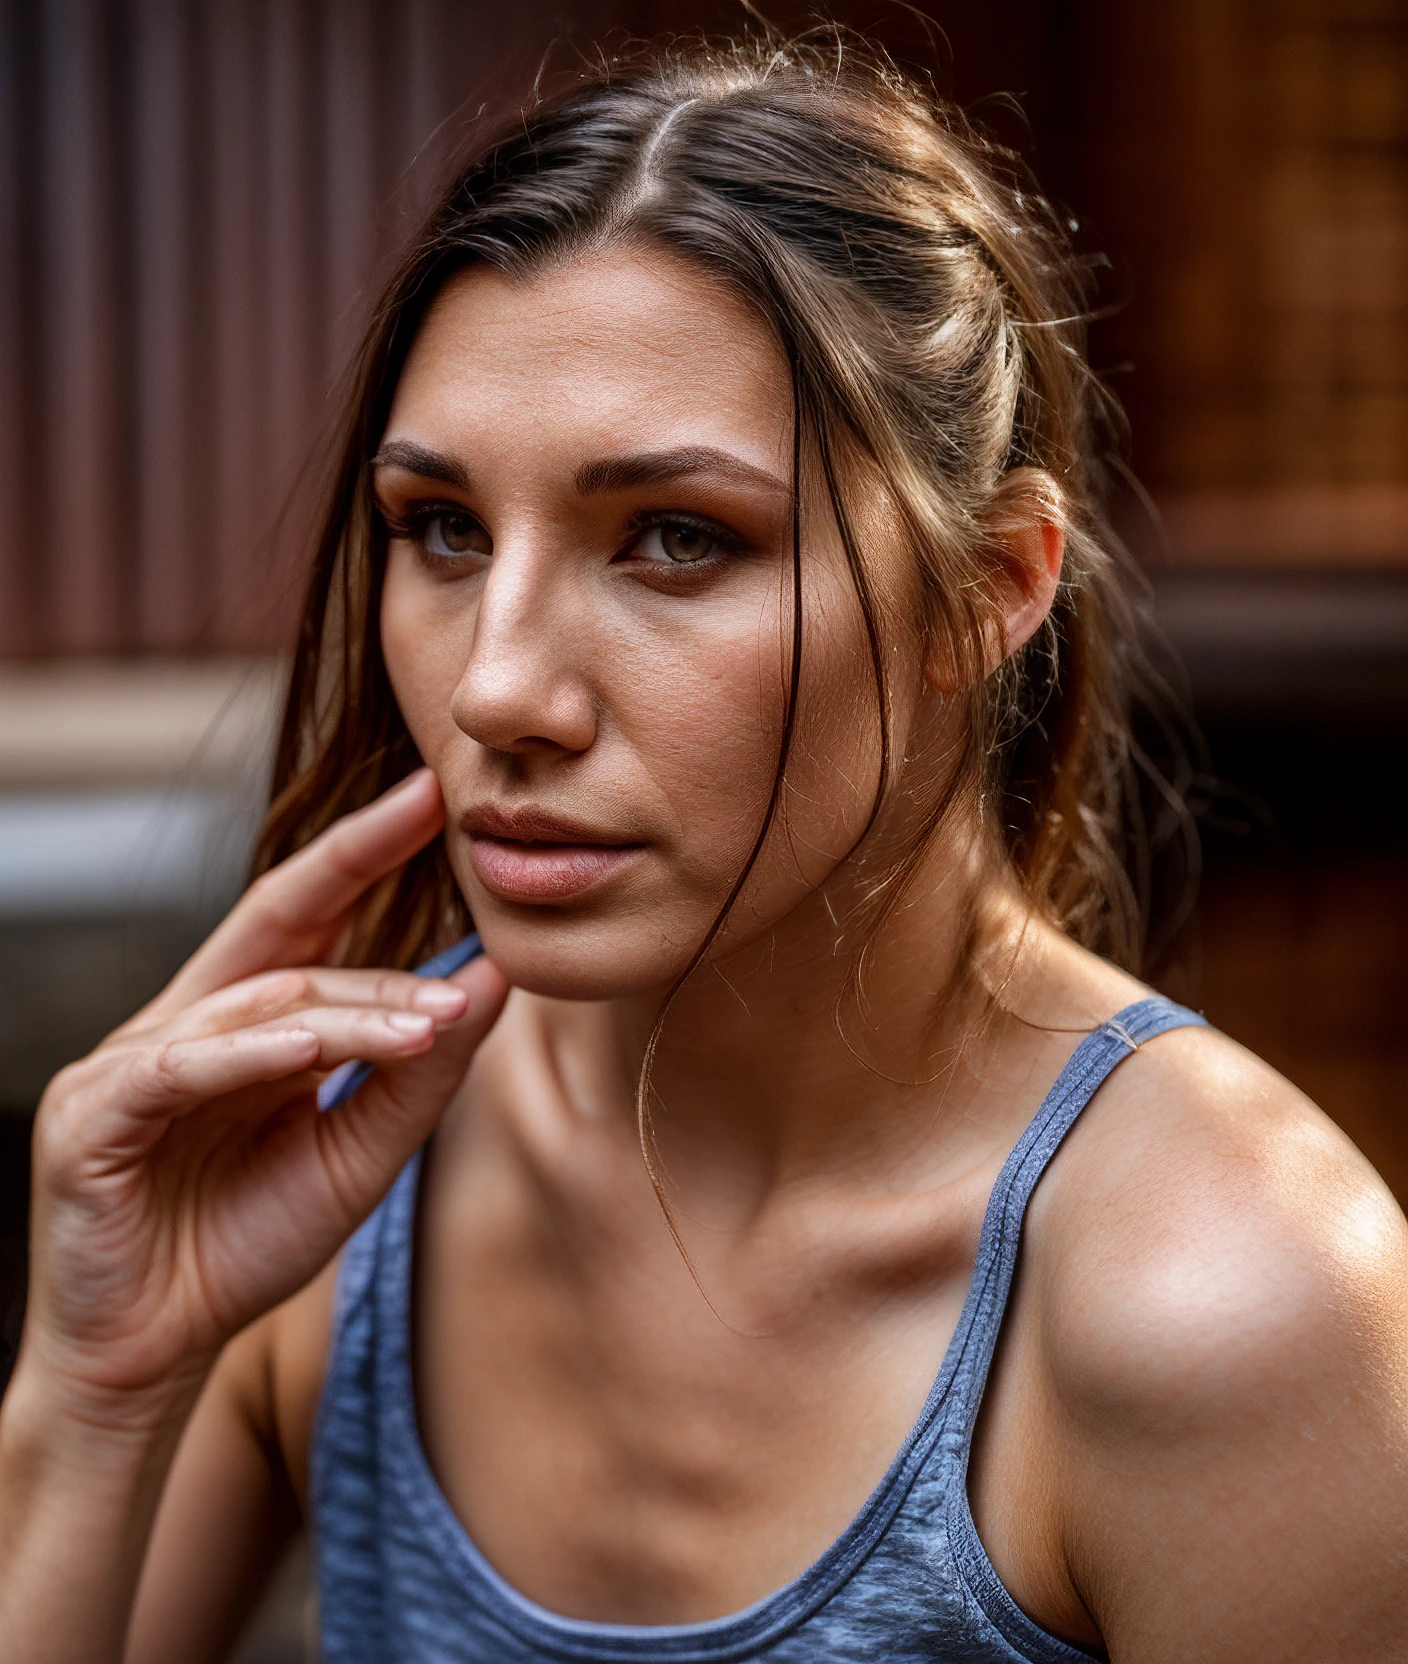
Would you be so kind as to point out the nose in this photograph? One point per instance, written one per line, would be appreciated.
(524, 689)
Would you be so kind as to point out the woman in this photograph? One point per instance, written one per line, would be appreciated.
(714, 606)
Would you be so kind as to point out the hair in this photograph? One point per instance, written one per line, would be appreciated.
(933, 314)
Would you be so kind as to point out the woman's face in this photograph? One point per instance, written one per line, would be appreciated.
(586, 481)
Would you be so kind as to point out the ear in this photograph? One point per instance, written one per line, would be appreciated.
(1034, 550)
(1026, 543)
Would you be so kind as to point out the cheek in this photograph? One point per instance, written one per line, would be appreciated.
(422, 650)
(708, 738)
(833, 770)
(701, 711)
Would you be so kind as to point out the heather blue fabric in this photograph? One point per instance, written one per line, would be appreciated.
(400, 1582)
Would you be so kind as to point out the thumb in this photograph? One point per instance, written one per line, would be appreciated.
(374, 1134)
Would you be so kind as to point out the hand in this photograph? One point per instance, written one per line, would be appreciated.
(185, 1181)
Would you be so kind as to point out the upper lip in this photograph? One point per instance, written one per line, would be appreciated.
(526, 823)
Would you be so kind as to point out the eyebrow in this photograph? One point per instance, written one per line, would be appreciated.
(417, 459)
(618, 473)
(652, 467)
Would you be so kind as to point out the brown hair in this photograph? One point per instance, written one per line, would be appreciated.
(933, 314)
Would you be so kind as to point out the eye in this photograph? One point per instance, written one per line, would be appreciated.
(682, 543)
(449, 535)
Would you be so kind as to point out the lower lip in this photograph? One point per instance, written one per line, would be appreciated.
(517, 871)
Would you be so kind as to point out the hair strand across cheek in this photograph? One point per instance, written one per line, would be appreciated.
(933, 316)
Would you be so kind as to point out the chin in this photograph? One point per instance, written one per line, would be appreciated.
(573, 954)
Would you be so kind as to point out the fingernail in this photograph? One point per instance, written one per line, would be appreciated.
(409, 1022)
(440, 999)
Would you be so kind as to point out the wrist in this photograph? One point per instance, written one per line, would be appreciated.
(81, 1478)
(61, 1420)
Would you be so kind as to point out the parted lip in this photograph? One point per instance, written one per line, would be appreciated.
(528, 824)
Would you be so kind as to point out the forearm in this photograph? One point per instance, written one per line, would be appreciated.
(79, 1489)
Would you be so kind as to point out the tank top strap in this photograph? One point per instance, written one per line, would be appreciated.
(1090, 1065)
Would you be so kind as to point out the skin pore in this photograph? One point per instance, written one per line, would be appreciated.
(585, 479)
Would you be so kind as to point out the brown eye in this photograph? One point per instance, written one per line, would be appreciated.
(448, 536)
(678, 542)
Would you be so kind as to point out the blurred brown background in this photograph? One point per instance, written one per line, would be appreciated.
(196, 197)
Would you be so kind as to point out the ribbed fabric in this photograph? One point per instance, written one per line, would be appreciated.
(400, 1582)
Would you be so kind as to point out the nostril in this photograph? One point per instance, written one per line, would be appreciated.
(537, 716)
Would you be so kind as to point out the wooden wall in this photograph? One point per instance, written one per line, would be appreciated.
(196, 196)
(1251, 160)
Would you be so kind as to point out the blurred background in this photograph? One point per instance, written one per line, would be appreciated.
(196, 200)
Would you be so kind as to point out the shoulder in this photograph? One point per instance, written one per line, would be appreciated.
(1222, 1283)
(1205, 1208)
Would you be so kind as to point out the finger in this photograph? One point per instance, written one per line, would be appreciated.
(367, 1140)
(173, 1077)
(277, 994)
(396, 990)
(176, 1075)
(293, 913)
(377, 1036)
(320, 1175)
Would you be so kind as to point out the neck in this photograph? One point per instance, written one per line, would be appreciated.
(788, 1062)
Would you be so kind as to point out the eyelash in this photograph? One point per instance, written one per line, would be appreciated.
(412, 522)
(728, 541)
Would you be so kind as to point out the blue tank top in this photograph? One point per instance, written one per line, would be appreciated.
(400, 1581)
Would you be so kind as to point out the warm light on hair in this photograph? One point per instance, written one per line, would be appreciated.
(933, 314)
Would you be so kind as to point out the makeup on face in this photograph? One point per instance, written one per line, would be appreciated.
(526, 854)
(601, 687)
(544, 872)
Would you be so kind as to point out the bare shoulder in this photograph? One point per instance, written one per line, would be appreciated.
(1222, 1282)
(1204, 1207)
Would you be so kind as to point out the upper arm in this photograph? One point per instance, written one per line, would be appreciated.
(226, 1513)
(1230, 1363)
(234, 1495)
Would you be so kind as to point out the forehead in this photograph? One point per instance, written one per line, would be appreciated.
(610, 349)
